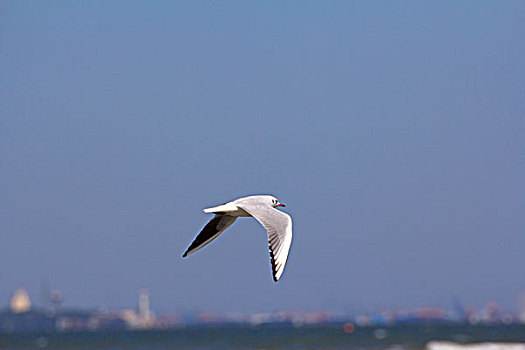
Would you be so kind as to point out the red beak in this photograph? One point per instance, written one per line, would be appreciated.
(281, 205)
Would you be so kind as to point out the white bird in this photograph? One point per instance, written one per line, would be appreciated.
(277, 224)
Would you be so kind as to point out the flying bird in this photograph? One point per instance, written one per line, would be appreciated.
(277, 224)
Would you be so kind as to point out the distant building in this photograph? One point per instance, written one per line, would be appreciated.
(521, 307)
(20, 317)
(56, 299)
(20, 301)
(144, 318)
(144, 310)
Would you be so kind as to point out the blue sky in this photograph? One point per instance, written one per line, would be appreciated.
(393, 131)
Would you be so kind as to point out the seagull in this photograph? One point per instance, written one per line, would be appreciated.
(262, 207)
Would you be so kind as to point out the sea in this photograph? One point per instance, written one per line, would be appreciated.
(284, 336)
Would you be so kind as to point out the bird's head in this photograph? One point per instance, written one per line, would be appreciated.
(274, 202)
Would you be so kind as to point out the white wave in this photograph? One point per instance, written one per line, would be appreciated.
(442, 345)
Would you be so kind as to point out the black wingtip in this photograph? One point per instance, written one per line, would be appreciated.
(185, 255)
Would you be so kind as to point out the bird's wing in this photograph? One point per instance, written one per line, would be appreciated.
(212, 229)
(279, 227)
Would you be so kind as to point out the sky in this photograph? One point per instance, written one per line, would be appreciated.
(393, 131)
